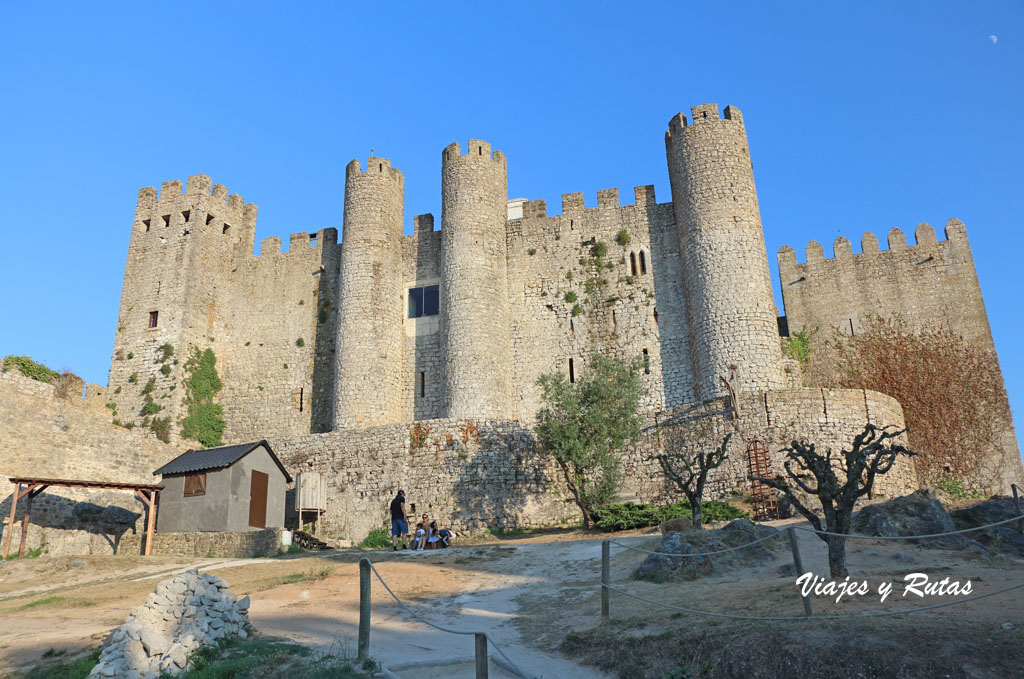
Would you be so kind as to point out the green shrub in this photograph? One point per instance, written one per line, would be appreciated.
(577, 310)
(165, 369)
(166, 351)
(204, 421)
(161, 426)
(151, 408)
(622, 237)
(376, 539)
(531, 251)
(598, 250)
(29, 368)
(798, 346)
(150, 386)
(131, 355)
(570, 297)
(300, 342)
(133, 378)
(57, 667)
(629, 515)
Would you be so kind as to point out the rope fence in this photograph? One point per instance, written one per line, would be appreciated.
(481, 638)
(606, 586)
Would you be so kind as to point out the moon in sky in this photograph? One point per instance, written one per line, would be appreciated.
(994, 39)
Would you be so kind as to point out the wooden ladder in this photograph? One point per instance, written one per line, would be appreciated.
(766, 506)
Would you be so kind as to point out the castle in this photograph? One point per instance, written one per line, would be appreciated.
(384, 329)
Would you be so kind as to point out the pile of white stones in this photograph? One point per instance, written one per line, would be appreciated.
(183, 613)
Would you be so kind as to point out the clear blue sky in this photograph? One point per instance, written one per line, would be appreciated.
(861, 117)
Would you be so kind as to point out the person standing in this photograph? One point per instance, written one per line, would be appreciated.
(399, 522)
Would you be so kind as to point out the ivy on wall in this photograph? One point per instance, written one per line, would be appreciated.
(204, 421)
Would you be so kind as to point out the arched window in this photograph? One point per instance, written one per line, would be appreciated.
(643, 263)
(632, 263)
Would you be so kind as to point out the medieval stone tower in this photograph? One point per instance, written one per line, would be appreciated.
(369, 365)
(729, 302)
(475, 323)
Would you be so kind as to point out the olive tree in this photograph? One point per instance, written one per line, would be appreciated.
(874, 452)
(689, 472)
(584, 425)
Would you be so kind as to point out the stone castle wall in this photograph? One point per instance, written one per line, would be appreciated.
(44, 435)
(238, 545)
(930, 284)
(474, 475)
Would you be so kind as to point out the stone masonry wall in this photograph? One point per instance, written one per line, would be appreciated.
(634, 307)
(931, 284)
(472, 475)
(46, 436)
(240, 545)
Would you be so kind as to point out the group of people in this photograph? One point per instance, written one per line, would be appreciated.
(427, 534)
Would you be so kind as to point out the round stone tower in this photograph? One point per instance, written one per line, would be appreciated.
(729, 302)
(370, 331)
(475, 330)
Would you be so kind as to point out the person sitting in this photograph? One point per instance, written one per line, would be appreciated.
(420, 541)
(446, 537)
(434, 539)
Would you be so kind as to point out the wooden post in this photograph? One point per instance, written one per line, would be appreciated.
(10, 524)
(364, 610)
(150, 521)
(1016, 501)
(799, 567)
(481, 655)
(605, 577)
(24, 521)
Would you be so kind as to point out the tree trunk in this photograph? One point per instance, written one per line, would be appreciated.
(696, 515)
(836, 556)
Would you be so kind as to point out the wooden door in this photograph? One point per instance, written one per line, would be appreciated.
(258, 500)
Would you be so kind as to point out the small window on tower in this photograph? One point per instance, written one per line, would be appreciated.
(227, 227)
(146, 222)
(185, 215)
(312, 240)
(195, 484)
(632, 263)
(167, 220)
(424, 301)
(643, 262)
(153, 318)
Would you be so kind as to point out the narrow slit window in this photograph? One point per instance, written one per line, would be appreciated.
(647, 363)
(302, 394)
(615, 322)
(572, 327)
(195, 484)
(655, 316)
(423, 384)
(167, 220)
(146, 222)
(227, 227)
(209, 219)
(185, 215)
(572, 373)
(153, 315)
(312, 240)
(643, 263)
(632, 263)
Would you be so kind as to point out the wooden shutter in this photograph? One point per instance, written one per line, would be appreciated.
(258, 500)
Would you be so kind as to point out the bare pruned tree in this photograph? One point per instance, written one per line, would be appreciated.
(874, 452)
(689, 471)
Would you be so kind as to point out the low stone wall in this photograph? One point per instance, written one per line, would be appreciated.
(46, 435)
(474, 475)
(240, 545)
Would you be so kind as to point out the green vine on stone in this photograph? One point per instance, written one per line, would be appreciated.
(204, 421)
(29, 368)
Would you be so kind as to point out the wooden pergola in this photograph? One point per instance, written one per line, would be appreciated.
(35, 486)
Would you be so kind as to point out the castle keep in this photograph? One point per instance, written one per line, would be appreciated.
(331, 348)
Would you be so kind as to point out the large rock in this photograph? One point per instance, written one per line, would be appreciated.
(181, 615)
(663, 566)
(1003, 539)
(916, 514)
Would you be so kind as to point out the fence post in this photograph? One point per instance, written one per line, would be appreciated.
(605, 577)
(364, 610)
(799, 567)
(1016, 501)
(481, 655)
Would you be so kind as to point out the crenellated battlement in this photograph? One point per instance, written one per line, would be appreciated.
(423, 223)
(376, 168)
(924, 236)
(476, 149)
(702, 114)
(176, 201)
(300, 243)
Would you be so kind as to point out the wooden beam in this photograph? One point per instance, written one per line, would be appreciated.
(150, 501)
(24, 520)
(10, 523)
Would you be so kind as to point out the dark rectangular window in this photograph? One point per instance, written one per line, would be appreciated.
(152, 318)
(195, 484)
(424, 301)
(423, 384)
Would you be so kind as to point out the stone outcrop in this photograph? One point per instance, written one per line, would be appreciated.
(183, 614)
(666, 566)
